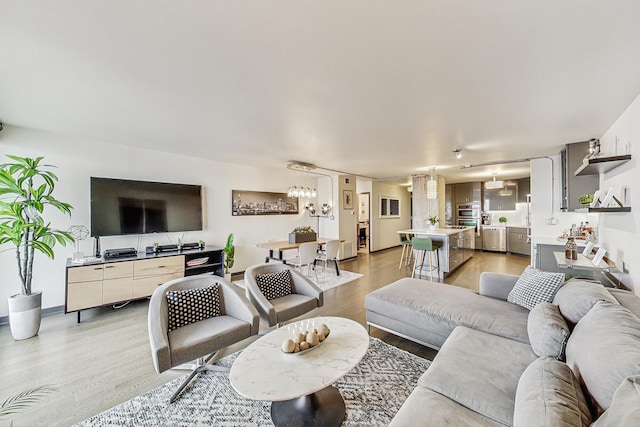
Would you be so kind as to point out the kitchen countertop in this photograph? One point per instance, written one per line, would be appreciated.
(436, 232)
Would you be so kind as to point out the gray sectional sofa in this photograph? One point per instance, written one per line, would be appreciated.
(570, 362)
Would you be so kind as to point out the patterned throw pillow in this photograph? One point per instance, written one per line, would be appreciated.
(274, 285)
(535, 286)
(192, 305)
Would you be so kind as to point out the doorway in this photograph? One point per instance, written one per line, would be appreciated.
(364, 223)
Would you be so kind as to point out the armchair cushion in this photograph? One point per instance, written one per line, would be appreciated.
(535, 286)
(274, 285)
(192, 305)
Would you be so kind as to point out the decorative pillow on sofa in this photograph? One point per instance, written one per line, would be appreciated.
(192, 305)
(274, 285)
(624, 409)
(548, 331)
(549, 394)
(577, 296)
(535, 286)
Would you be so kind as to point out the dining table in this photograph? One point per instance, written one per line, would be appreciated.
(277, 248)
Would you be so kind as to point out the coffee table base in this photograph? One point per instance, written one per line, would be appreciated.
(323, 408)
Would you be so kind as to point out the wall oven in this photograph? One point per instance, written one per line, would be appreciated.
(468, 210)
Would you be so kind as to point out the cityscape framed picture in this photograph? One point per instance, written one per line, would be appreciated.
(262, 203)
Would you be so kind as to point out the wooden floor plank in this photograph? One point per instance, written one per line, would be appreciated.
(106, 360)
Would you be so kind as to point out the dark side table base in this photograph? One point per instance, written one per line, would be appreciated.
(323, 408)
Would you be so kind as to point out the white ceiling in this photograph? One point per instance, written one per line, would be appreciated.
(381, 89)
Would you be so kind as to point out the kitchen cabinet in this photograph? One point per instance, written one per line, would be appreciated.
(523, 188)
(467, 192)
(575, 186)
(501, 199)
(517, 241)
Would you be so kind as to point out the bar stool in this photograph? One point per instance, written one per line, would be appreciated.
(407, 252)
(422, 245)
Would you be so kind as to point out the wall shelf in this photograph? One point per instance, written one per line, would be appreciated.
(601, 165)
(604, 210)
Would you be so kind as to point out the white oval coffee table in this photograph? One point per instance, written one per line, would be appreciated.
(299, 385)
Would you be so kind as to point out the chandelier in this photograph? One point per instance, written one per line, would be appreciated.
(308, 192)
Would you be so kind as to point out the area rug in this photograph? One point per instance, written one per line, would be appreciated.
(373, 392)
(326, 280)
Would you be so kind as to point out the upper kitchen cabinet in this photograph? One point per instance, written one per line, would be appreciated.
(467, 192)
(524, 189)
(575, 186)
(501, 199)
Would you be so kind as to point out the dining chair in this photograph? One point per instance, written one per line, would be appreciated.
(330, 253)
(306, 256)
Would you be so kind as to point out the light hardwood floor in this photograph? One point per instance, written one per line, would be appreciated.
(105, 359)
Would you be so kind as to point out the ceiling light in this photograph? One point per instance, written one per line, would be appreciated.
(505, 192)
(457, 153)
(492, 185)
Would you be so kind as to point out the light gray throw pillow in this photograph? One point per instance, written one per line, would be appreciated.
(549, 395)
(624, 409)
(535, 286)
(548, 331)
(603, 350)
(577, 296)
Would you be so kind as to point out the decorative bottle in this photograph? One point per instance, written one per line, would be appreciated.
(571, 249)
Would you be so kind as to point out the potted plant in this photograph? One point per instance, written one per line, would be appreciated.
(26, 188)
(229, 254)
(433, 222)
(502, 220)
(302, 234)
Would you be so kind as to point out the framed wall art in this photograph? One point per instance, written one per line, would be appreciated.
(262, 203)
(347, 199)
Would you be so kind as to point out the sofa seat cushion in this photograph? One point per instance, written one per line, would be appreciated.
(436, 309)
(479, 371)
(577, 296)
(206, 336)
(549, 395)
(604, 349)
(548, 331)
(625, 406)
(427, 408)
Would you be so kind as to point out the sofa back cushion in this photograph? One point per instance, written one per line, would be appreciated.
(535, 286)
(577, 297)
(603, 350)
(549, 394)
(548, 331)
(625, 406)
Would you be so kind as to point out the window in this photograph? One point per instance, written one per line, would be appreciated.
(389, 207)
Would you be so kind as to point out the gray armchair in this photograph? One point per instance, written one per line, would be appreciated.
(304, 297)
(237, 320)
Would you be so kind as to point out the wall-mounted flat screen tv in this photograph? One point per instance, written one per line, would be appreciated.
(120, 206)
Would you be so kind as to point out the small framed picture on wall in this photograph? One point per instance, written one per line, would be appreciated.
(347, 199)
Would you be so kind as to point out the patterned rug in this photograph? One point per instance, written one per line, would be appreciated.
(373, 392)
(325, 280)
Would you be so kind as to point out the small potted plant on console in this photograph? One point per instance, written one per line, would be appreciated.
(302, 234)
(433, 222)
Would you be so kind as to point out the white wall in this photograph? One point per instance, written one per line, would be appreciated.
(77, 159)
(384, 231)
(619, 231)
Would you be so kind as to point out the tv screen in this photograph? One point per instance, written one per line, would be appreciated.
(120, 206)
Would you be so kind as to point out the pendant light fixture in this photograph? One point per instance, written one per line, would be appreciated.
(432, 186)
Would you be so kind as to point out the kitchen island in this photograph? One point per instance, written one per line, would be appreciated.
(457, 245)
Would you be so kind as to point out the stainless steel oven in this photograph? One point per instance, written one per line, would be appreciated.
(471, 222)
(468, 210)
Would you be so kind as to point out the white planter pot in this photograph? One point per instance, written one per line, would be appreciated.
(227, 277)
(25, 313)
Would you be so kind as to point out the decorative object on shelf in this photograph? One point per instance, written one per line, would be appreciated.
(26, 188)
(598, 256)
(302, 234)
(79, 233)
(571, 249)
(156, 247)
(502, 220)
(493, 185)
(179, 245)
(432, 186)
(229, 254)
(585, 199)
(201, 244)
(262, 203)
(197, 261)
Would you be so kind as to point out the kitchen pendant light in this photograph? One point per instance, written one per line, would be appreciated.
(432, 187)
(493, 185)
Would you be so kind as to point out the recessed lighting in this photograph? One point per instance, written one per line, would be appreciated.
(457, 153)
